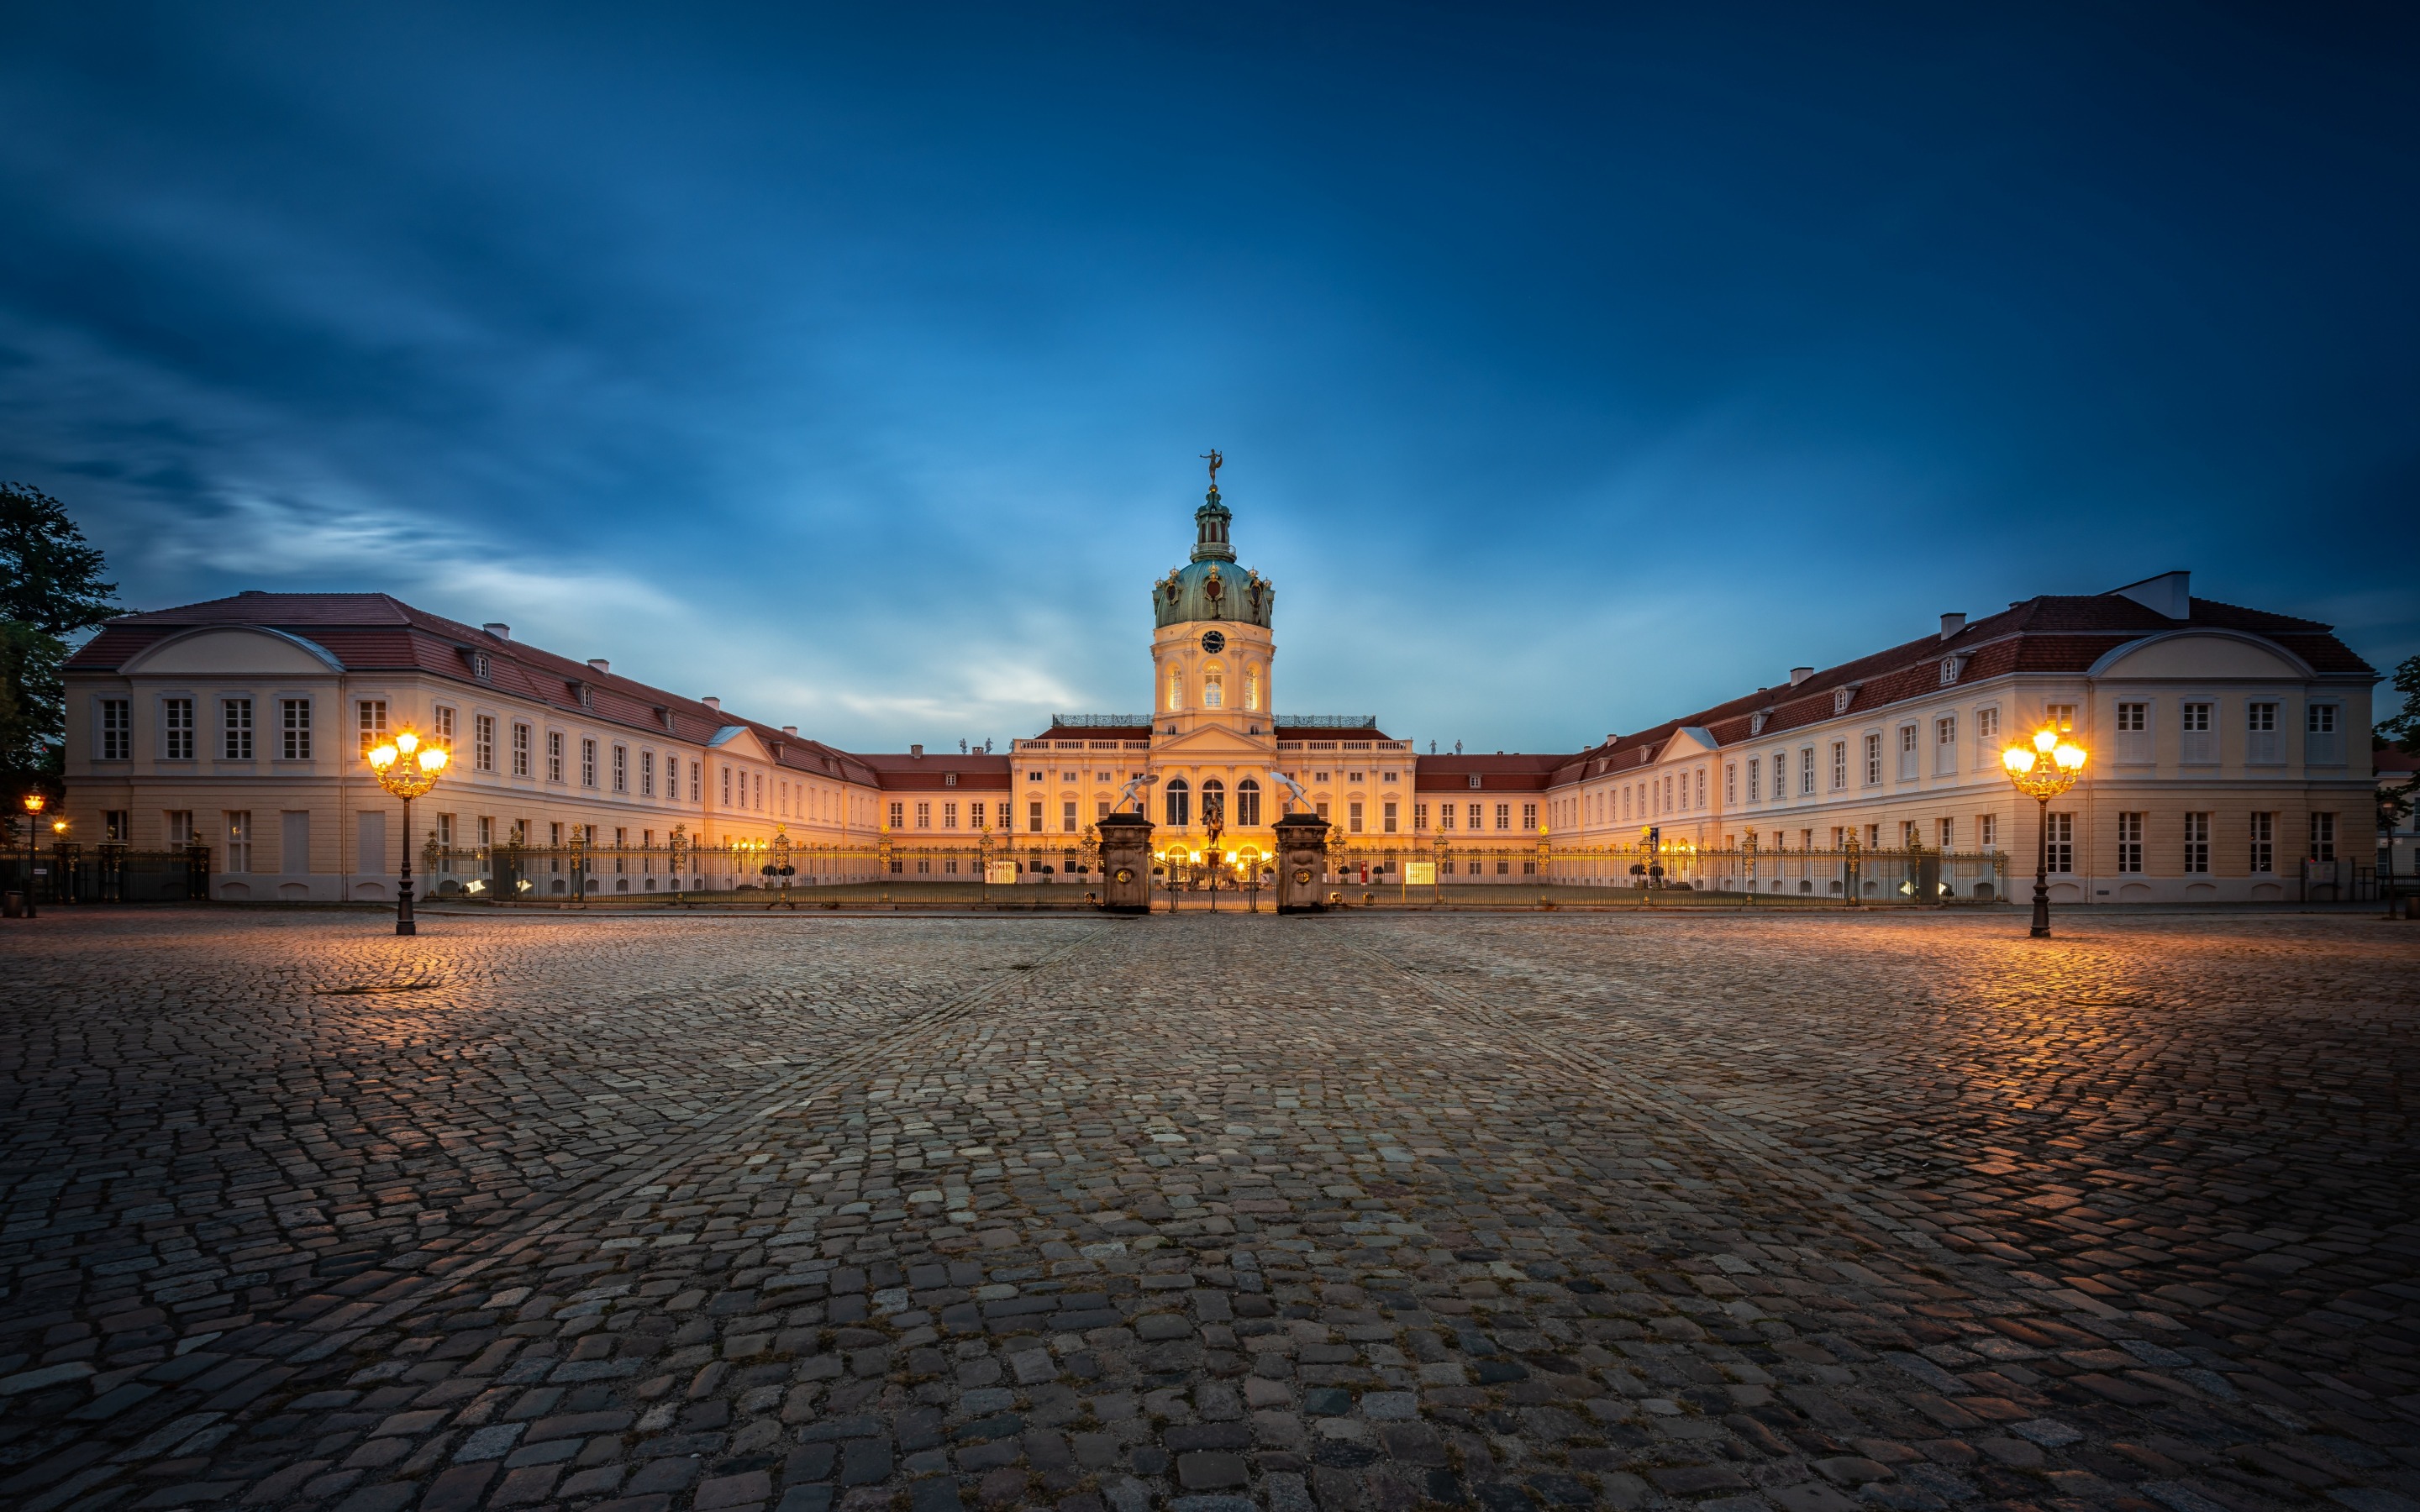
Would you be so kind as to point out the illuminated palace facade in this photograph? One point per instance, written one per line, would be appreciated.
(2231, 761)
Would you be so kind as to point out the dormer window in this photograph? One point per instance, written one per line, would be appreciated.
(1949, 668)
(1843, 697)
(1474, 780)
(479, 665)
(1756, 723)
(579, 693)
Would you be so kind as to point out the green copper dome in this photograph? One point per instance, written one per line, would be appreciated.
(1211, 586)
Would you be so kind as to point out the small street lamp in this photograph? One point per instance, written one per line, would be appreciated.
(2041, 771)
(34, 804)
(407, 768)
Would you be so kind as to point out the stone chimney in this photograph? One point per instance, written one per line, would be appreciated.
(1800, 675)
(601, 666)
(916, 752)
(712, 702)
(501, 632)
(1951, 624)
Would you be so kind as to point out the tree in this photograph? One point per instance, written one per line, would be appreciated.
(2404, 728)
(2403, 732)
(50, 588)
(49, 577)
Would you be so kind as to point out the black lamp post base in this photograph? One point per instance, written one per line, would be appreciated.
(2041, 872)
(403, 894)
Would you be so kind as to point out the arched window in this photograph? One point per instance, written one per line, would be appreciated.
(1177, 688)
(1180, 802)
(1214, 689)
(1214, 801)
(1252, 688)
(1248, 803)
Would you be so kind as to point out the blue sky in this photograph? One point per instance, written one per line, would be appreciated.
(1576, 367)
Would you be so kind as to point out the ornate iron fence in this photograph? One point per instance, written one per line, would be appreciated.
(580, 874)
(70, 873)
(1850, 872)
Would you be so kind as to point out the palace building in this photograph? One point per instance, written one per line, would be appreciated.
(2231, 761)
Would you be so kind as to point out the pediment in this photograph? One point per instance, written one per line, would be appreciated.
(2203, 653)
(232, 651)
(1687, 742)
(1211, 744)
(738, 740)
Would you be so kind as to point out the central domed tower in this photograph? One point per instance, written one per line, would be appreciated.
(1211, 646)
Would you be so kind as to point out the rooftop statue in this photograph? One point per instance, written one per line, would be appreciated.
(1295, 794)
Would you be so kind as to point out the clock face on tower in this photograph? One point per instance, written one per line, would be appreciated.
(1212, 642)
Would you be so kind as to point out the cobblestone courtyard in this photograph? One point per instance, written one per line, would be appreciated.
(1360, 1212)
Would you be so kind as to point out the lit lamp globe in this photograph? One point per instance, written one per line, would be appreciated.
(2043, 769)
(408, 767)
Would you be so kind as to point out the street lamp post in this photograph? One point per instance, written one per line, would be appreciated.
(34, 802)
(407, 768)
(2043, 770)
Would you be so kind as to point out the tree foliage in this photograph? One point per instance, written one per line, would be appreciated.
(51, 587)
(2404, 727)
(2403, 730)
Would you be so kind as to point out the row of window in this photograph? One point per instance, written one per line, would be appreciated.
(2193, 853)
(1769, 779)
(1178, 808)
(978, 814)
(234, 741)
(1943, 834)
(2198, 734)
(2260, 835)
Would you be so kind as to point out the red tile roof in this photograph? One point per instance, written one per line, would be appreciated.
(2053, 633)
(1329, 731)
(1515, 772)
(909, 773)
(1131, 733)
(377, 632)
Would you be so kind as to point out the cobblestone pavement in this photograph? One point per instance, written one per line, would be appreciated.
(1366, 1212)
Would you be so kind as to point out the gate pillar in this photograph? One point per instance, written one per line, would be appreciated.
(1302, 859)
(1125, 864)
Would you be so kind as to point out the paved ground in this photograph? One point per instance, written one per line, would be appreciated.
(1361, 1212)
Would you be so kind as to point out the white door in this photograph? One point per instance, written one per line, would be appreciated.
(371, 858)
(294, 835)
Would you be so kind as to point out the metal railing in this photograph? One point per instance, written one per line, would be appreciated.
(108, 873)
(579, 874)
(1849, 874)
(982, 866)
